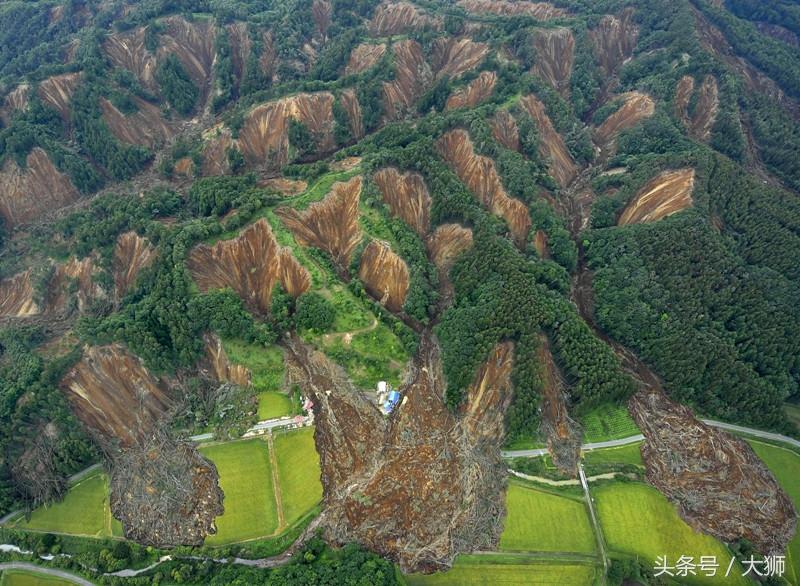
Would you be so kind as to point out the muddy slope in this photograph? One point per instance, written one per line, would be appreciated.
(539, 10)
(555, 51)
(16, 296)
(363, 57)
(667, 193)
(451, 57)
(40, 188)
(397, 18)
(132, 253)
(349, 101)
(385, 275)
(193, 44)
(614, 40)
(447, 243)
(422, 485)
(145, 127)
(505, 130)
(251, 264)
(700, 122)
(331, 224)
(128, 50)
(220, 367)
(480, 176)
(407, 197)
(475, 92)
(57, 91)
(413, 75)
(708, 474)
(551, 146)
(635, 108)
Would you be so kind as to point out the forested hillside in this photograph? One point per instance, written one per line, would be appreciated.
(567, 203)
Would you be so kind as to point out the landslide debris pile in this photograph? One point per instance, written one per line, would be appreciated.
(665, 194)
(538, 10)
(551, 146)
(555, 49)
(635, 108)
(614, 40)
(407, 198)
(698, 123)
(132, 254)
(220, 367)
(385, 275)
(475, 92)
(422, 485)
(250, 264)
(164, 492)
(715, 480)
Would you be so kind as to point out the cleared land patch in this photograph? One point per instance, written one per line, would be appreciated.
(24, 578)
(298, 472)
(665, 194)
(629, 454)
(608, 422)
(488, 570)
(84, 511)
(246, 479)
(539, 521)
(272, 405)
(637, 520)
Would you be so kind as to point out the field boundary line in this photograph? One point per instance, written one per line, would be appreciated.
(276, 484)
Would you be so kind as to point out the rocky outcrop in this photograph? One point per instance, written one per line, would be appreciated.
(614, 40)
(552, 148)
(385, 275)
(505, 130)
(145, 127)
(349, 101)
(220, 367)
(251, 264)
(115, 396)
(451, 57)
(193, 44)
(397, 18)
(555, 56)
(363, 57)
(635, 108)
(331, 224)
(128, 50)
(447, 243)
(435, 486)
(57, 91)
(478, 173)
(475, 92)
(539, 10)
(701, 120)
(132, 253)
(665, 194)
(27, 194)
(17, 296)
(407, 198)
(264, 136)
(707, 473)
(412, 76)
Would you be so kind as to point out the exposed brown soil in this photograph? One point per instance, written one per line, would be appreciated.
(551, 146)
(349, 101)
(505, 130)
(241, 46)
(16, 296)
(284, 186)
(268, 60)
(413, 75)
(451, 57)
(250, 264)
(475, 92)
(26, 194)
(220, 367)
(81, 273)
(396, 18)
(363, 57)
(407, 197)
(540, 244)
(17, 99)
(145, 127)
(115, 396)
(57, 91)
(446, 244)
(480, 176)
(331, 224)
(555, 51)
(540, 10)
(635, 108)
(665, 194)
(385, 275)
(192, 43)
(215, 150)
(128, 50)
(264, 137)
(614, 40)
(702, 120)
(321, 11)
(422, 485)
(778, 32)
(715, 480)
(184, 167)
(563, 434)
(165, 492)
(132, 253)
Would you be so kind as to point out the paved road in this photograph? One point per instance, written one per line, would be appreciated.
(639, 437)
(49, 571)
(256, 429)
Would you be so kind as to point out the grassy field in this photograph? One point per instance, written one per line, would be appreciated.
(608, 422)
(266, 364)
(25, 578)
(785, 465)
(272, 405)
(636, 519)
(488, 570)
(629, 454)
(538, 521)
(298, 472)
(84, 511)
(246, 479)
(793, 412)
